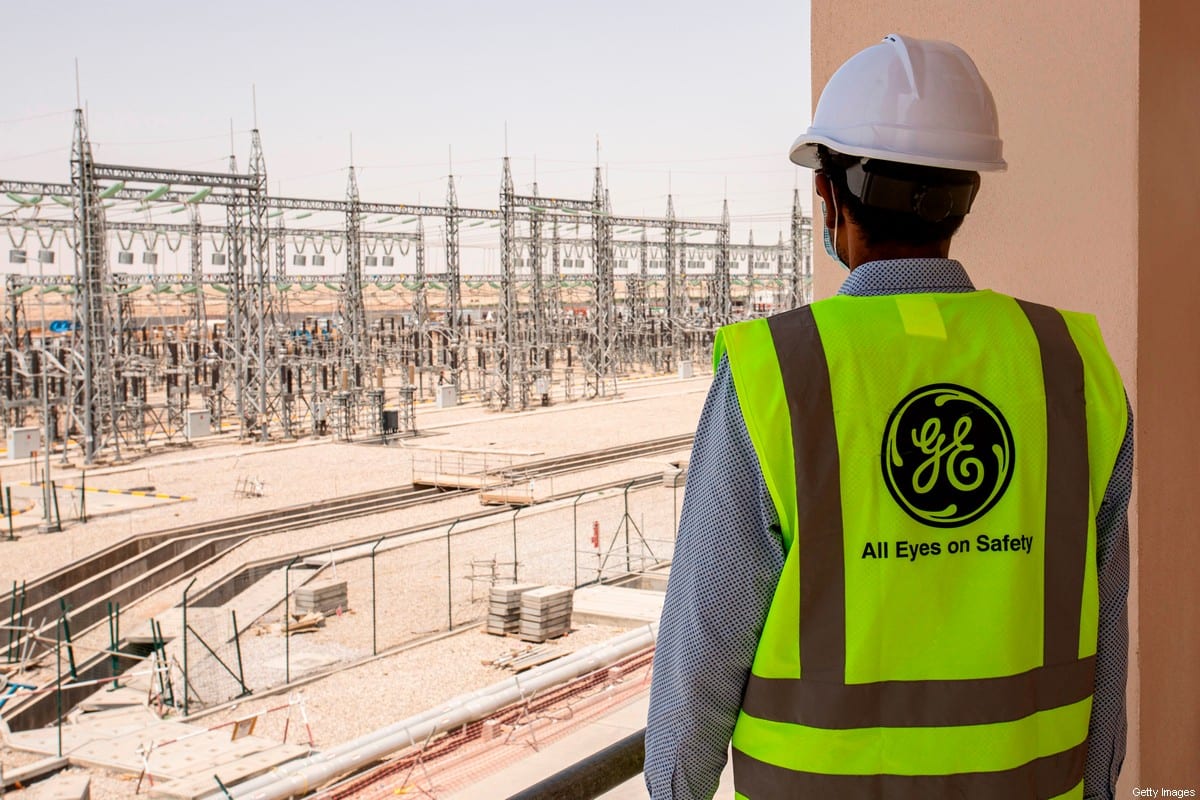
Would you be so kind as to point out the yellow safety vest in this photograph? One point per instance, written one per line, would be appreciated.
(937, 462)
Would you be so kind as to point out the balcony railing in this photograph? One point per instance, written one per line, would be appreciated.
(594, 775)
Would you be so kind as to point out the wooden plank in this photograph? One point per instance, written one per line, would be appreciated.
(541, 658)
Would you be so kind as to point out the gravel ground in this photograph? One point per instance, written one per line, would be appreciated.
(380, 692)
(411, 577)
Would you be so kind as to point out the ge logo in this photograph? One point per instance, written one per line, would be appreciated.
(947, 455)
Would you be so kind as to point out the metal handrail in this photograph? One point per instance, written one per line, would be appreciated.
(594, 775)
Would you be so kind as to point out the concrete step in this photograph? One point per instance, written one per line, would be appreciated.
(202, 783)
(32, 772)
(66, 786)
(616, 605)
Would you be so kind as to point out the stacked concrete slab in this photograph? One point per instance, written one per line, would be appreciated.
(545, 613)
(504, 607)
(321, 598)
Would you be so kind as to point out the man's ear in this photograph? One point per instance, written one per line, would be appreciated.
(825, 191)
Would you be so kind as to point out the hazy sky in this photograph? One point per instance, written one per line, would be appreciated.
(696, 95)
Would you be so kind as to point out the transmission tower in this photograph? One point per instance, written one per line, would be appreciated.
(353, 313)
(277, 282)
(506, 395)
(672, 290)
(556, 271)
(420, 300)
(255, 309)
(681, 294)
(197, 310)
(782, 257)
(601, 368)
(96, 405)
(537, 298)
(722, 285)
(453, 286)
(800, 283)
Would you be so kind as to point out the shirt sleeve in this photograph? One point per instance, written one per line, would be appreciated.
(727, 561)
(1106, 729)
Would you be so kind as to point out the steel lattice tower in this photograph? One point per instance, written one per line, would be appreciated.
(671, 289)
(506, 340)
(781, 262)
(537, 292)
(800, 284)
(420, 301)
(353, 312)
(601, 367)
(255, 308)
(722, 288)
(279, 274)
(235, 265)
(679, 278)
(556, 270)
(198, 312)
(453, 286)
(96, 404)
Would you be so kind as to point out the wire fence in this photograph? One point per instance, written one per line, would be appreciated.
(403, 589)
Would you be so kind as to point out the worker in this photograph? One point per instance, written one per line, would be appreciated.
(902, 560)
(319, 417)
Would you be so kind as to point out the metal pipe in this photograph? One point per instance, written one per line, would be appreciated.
(12, 625)
(575, 537)
(625, 522)
(450, 580)
(58, 681)
(287, 637)
(514, 529)
(374, 638)
(298, 777)
(114, 663)
(186, 686)
(237, 644)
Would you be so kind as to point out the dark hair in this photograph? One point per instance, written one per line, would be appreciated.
(881, 225)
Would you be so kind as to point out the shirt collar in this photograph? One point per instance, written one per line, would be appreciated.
(907, 276)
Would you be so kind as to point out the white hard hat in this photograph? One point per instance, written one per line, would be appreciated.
(912, 101)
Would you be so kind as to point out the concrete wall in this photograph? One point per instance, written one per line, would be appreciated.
(1099, 211)
(1168, 429)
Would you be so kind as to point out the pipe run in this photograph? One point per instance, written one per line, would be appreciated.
(297, 778)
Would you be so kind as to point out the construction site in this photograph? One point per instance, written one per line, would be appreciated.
(298, 498)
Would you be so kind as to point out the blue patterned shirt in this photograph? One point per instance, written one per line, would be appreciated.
(728, 562)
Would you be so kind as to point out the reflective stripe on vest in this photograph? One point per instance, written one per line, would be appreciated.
(948, 738)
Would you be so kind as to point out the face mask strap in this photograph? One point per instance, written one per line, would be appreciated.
(831, 243)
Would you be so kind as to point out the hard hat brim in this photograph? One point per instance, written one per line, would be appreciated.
(803, 153)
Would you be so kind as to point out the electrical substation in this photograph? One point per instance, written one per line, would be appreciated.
(345, 497)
